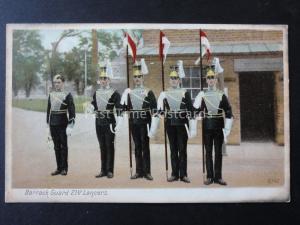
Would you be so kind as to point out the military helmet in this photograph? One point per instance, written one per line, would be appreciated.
(174, 71)
(210, 71)
(103, 72)
(137, 70)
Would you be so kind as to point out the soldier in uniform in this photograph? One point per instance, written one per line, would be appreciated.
(60, 104)
(105, 101)
(178, 110)
(141, 104)
(213, 103)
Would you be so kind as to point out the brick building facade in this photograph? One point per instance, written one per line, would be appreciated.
(253, 75)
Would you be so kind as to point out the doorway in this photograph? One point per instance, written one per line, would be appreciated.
(257, 106)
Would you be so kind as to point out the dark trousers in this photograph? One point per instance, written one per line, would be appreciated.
(107, 147)
(60, 141)
(213, 137)
(142, 149)
(178, 143)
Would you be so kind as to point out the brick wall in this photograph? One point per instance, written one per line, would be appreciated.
(154, 82)
(191, 37)
(231, 78)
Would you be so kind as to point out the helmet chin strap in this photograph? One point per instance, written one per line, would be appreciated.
(212, 88)
(139, 85)
(177, 86)
(105, 86)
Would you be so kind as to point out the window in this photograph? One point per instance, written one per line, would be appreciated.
(192, 80)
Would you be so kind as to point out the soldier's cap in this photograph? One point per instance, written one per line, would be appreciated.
(103, 72)
(174, 71)
(137, 70)
(58, 77)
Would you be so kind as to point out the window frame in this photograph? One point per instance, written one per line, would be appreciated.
(190, 77)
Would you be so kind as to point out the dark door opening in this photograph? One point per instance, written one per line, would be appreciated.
(257, 106)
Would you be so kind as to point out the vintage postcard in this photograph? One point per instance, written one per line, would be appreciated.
(148, 113)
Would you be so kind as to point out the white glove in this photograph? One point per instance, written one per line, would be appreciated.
(154, 126)
(227, 128)
(225, 136)
(193, 128)
(119, 123)
(198, 99)
(124, 98)
(89, 109)
(70, 128)
(160, 101)
(49, 137)
(69, 131)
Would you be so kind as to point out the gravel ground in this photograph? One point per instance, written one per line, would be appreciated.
(247, 165)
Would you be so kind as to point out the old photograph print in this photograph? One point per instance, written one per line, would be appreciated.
(147, 113)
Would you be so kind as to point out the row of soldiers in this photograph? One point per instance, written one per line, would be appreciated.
(174, 104)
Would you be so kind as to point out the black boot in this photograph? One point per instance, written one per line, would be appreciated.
(220, 181)
(136, 176)
(148, 176)
(185, 179)
(101, 174)
(172, 178)
(208, 181)
(110, 175)
(64, 172)
(56, 172)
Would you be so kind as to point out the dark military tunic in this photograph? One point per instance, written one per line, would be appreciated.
(214, 105)
(60, 104)
(141, 105)
(179, 109)
(106, 102)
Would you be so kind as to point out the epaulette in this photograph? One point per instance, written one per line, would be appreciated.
(183, 92)
(146, 92)
(221, 93)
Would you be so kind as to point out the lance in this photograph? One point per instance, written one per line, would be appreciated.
(201, 89)
(165, 132)
(129, 126)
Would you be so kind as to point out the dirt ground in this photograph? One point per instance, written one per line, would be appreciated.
(247, 165)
